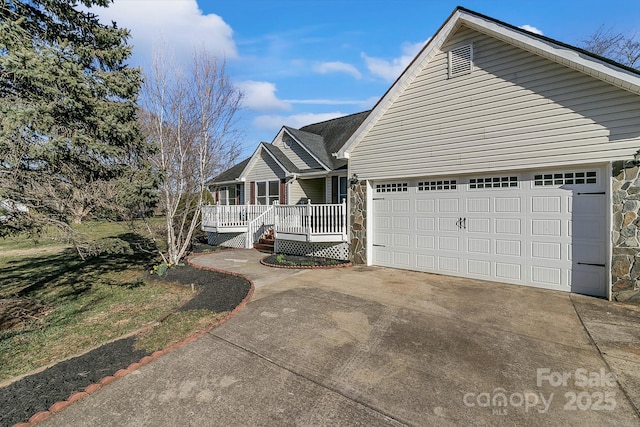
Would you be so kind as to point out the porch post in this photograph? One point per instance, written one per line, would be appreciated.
(308, 220)
(276, 221)
(343, 218)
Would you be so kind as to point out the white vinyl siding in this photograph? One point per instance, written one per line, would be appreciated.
(315, 189)
(303, 189)
(514, 110)
(298, 155)
(265, 169)
(296, 194)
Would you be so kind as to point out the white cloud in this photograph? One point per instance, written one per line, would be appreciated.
(275, 122)
(531, 29)
(326, 101)
(337, 67)
(368, 104)
(177, 24)
(261, 96)
(390, 70)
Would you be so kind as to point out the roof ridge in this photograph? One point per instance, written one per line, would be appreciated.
(550, 39)
(335, 118)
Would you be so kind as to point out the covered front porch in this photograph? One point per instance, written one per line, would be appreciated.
(313, 223)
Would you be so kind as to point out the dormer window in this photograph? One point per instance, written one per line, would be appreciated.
(460, 61)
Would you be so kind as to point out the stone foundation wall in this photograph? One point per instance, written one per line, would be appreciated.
(358, 221)
(625, 245)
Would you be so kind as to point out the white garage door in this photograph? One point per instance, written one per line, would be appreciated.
(546, 229)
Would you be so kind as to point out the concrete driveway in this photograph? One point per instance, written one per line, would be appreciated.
(377, 346)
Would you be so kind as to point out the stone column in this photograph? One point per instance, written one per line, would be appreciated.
(358, 221)
(625, 245)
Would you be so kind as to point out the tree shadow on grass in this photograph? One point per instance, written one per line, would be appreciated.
(67, 276)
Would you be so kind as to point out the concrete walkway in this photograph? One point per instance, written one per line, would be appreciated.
(247, 263)
(377, 346)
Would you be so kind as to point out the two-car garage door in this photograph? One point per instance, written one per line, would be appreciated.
(540, 228)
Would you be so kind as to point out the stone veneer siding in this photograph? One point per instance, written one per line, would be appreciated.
(358, 221)
(625, 245)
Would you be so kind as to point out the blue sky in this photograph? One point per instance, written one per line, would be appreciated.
(300, 62)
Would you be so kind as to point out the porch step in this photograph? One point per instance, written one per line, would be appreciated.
(265, 245)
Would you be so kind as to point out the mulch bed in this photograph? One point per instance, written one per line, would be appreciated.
(299, 261)
(29, 395)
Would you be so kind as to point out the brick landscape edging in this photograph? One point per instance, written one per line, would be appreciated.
(92, 388)
(305, 267)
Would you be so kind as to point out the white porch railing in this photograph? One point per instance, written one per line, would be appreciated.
(311, 223)
(259, 226)
(223, 218)
(316, 222)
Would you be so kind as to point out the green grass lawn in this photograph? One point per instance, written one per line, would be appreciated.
(68, 305)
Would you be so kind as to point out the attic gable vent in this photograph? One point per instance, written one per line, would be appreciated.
(460, 60)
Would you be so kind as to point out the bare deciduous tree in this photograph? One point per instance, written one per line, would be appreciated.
(190, 114)
(620, 47)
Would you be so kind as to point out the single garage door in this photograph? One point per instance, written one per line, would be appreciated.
(542, 228)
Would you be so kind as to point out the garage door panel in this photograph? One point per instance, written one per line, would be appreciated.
(382, 239)
(425, 206)
(425, 224)
(425, 242)
(478, 225)
(382, 256)
(508, 226)
(400, 206)
(382, 223)
(450, 264)
(590, 228)
(448, 206)
(508, 247)
(541, 232)
(401, 240)
(546, 227)
(426, 262)
(546, 250)
(508, 271)
(548, 276)
(400, 222)
(478, 205)
(587, 252)
(586, 204)
(479, 268)
(546, 204)
(382, 206)
(507, 205)
(401, 259)
(479, 246)
(588, 280)
(448, 224)
(449, 243)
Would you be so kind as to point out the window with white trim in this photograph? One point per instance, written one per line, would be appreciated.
(493, 182)
(394, 187)
(565, 178)
(267, 192)
(449, 184)
(460, 60)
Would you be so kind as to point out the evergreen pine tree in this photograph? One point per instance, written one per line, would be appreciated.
(69, 142)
